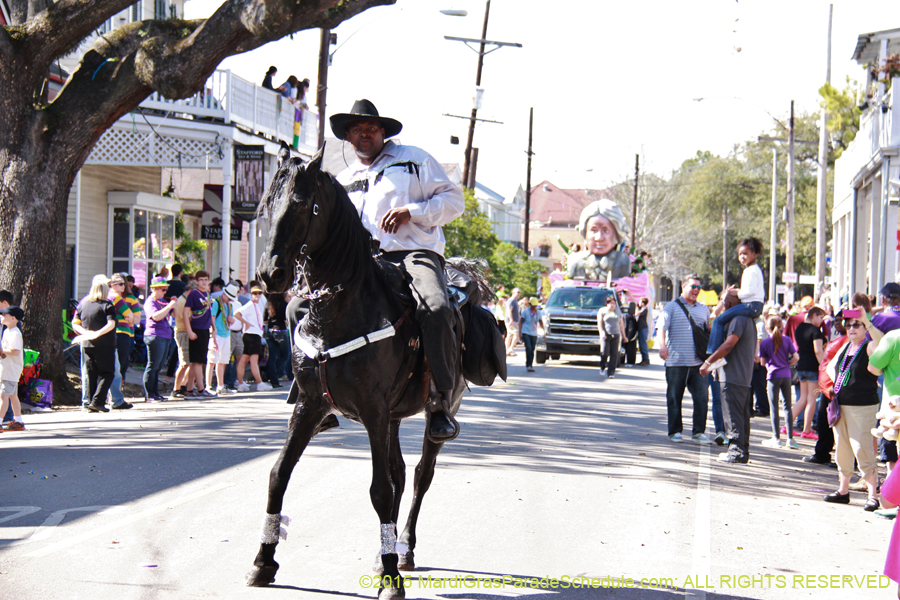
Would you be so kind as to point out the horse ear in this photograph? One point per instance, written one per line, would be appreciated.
(284, 154)
(315, 165)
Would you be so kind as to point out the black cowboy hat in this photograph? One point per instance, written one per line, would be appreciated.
(363, 110)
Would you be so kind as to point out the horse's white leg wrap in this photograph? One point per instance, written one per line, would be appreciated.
(389, 543)
(272, 529)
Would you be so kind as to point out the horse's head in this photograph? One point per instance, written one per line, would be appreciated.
(298, 217)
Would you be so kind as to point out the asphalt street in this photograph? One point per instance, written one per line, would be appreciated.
(562, 485)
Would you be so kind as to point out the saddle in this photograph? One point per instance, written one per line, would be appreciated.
(460, 287)
(483, 350)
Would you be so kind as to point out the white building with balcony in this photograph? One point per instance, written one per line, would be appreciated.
(864, 217)
(118, 218)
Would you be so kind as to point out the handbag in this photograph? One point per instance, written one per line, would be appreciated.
(700, 334)
(834, 412)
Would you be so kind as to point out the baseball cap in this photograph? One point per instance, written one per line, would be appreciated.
(890, 289)
(13, 310)
(534, 301)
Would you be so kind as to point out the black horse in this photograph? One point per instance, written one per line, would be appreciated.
(383, 379)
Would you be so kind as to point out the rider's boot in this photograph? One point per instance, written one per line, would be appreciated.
(442, 427)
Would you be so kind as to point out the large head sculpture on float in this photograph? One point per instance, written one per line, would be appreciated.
(603, 227)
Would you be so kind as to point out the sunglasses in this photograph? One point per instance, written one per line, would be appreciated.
(854, 325)
(696, 287)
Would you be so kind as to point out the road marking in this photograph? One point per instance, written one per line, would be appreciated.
(46, 528)
(700, 566)
(125, 521)
(18, 511)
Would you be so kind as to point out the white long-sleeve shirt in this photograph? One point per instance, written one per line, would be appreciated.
(753, 289)
(404, 177)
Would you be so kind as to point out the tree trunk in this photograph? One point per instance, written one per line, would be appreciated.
(43, 145)
(33, 231)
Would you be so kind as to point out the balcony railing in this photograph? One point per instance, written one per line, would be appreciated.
(877, 130)
(236, 100)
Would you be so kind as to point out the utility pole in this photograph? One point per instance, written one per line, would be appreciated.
(528, 179)
(322, 88)
(725, 245)
(821, 187)
(789, 204)
(637, 162)
(468, 160)
(773, 232)
(789, 255)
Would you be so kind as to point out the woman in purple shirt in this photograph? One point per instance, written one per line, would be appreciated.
(777, 354)
(158, 337)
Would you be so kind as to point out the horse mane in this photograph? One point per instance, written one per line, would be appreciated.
(476, 269)
(349, 243)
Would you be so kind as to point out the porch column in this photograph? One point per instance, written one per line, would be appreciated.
(886, 247)
(875, 248)
(227, 170)
(251, 251)
(854, 234)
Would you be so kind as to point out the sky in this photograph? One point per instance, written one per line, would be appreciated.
(607, 79)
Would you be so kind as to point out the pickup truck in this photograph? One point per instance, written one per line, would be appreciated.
(570, 323)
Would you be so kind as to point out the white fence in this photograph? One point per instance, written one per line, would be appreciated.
(235, 100)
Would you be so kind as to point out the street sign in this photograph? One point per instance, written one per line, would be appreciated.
(248, 181)
(808, 279)
(214, 232)
(789, 277)
(780, 289)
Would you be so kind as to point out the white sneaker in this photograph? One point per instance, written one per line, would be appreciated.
(676, 437)
(224, 391)
(263, 387)
(243, 387)
(701, 438)
(772, 443)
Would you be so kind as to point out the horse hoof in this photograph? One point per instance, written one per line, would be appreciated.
(378, 566)
(392, 593)
(261, 576)
(407, 562)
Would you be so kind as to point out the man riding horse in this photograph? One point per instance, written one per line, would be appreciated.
(404, 197)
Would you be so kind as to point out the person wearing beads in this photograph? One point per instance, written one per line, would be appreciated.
(751, 295)
(856, 391)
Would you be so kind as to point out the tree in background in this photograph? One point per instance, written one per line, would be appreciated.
(843, 112)
(472, 236)
(188, 251)
(44, 143)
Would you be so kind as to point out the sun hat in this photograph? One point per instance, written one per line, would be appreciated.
(231, 290)
(117, 278)
(159, 282)
(363, 110)
(256, 288)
